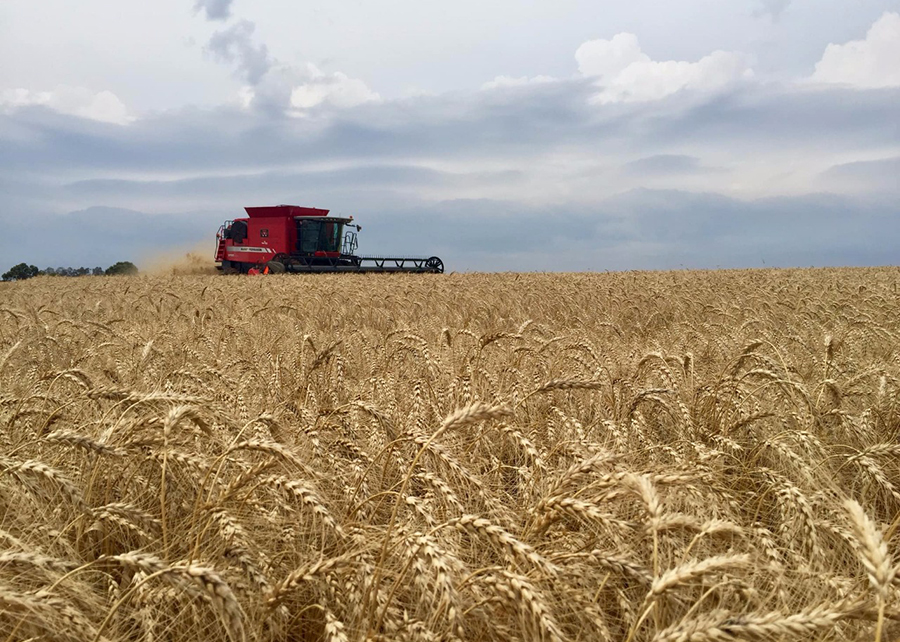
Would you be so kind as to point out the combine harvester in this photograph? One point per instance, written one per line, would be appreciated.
(288, 238)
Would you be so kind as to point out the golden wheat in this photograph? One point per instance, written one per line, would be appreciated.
(636, 456)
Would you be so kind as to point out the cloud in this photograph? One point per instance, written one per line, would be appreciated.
(104, 106)
(632, 163)
(701, 230)
(296, 89)
(624, 73)
(271, 95)
(546, 129)
(373, 185)
(766, 122)
(474, 177)
(870, 63)
(100, 236)
(235, 45)
(871, 176)
(639, 229)
(608, 58)
(215, 9)
(665, 165)
(772, 8)
(335, 89)
(277, 88)
(502, 82)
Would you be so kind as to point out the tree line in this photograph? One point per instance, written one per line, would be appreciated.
(24, 271)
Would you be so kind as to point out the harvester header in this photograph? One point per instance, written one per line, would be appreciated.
(290, 238)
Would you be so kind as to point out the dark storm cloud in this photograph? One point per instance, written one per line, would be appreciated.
(773, 118)
(199, 167)
(373, 186)
(665, 165)
(641, 229)
(539, 121)
(274, 181)
(204, 140)
(215, 9)
(278, 182)
(876, 175)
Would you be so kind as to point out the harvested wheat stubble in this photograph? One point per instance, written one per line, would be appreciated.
(637, 456)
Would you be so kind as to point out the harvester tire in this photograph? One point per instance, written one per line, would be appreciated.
(435, 265)
(276, 267)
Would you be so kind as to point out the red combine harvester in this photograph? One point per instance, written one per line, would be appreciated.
(288, 238)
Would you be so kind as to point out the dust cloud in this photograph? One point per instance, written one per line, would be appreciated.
(181, 261)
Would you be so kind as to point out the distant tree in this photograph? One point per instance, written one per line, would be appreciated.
(25, 271)
(20, 272)
(122, 267)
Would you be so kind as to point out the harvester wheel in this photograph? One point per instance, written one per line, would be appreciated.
(276, 267)
(434, 264)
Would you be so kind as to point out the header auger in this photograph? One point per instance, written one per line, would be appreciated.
(289, 238)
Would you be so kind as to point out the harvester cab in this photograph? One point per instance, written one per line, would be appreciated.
(289, 238)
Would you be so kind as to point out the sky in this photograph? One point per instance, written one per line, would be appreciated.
(527, 135)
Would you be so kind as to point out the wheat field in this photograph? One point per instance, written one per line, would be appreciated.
(685, 456)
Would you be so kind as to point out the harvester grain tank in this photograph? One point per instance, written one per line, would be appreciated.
(289, 238)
